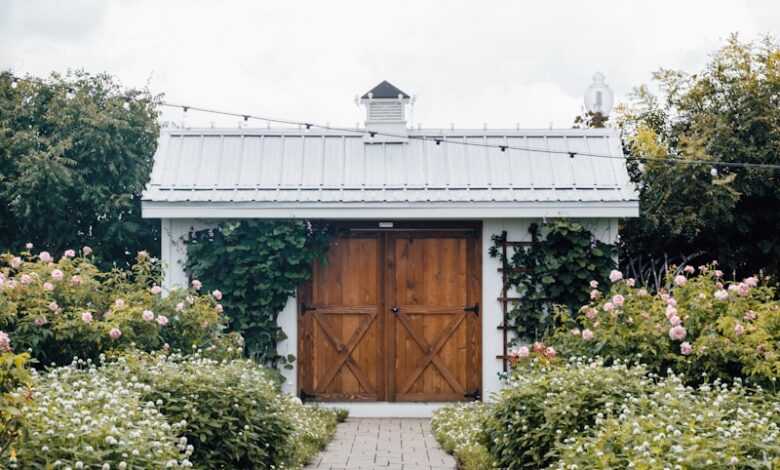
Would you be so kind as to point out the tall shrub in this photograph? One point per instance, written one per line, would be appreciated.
(75, 153)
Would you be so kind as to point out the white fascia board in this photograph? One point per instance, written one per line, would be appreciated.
(205, 210)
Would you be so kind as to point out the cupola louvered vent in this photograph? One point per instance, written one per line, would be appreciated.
(386, 110)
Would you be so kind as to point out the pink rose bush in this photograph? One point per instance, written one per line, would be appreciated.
(66, 308)
(700, 324)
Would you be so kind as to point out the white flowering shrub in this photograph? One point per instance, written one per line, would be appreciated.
(676, 427)
(458, 429)
(75, 417)
(544, 403)
(233, 411)
(312, 428)
(58, 309)
(703, 327)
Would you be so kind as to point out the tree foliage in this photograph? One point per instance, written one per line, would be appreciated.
(257, 264)
(730, 112)
(75, 154)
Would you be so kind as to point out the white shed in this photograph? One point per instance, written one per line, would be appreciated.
(405, 315)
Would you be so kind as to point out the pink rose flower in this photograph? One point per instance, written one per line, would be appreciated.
(88, 251)
(677, 333)
(591, 313)
(53, 306)
(147, 315)
(538, 346)
(594, 284)
(674, 320)
(11, 284)
(671, 301)
(751, 281)
(608, 307)
(75, 280)
(40, 321)
(143, 254)
(594, 294)
(680, 280)
(643, 292)
(630, 282)
(718, 273)
(686, 348)
(550, 352)
(689, 269)
(119, 303)
(615, 275)
(115, 333)
(743, 289)
(25, 279)
(69, 253)
(180, 306)
(162, 320)
(671, 310)
(45, 256)
(219, 308)
(522, 352)
(48, 286)
(16, 262)
(587, 335)
(196, 284)
(217, 294)
(618, 300)
(5, 342)
(721, 294)
(28, 245)
(739, 329)
(575, 332)
(86, 317)
(155, 289)
(750, 315)
(57, 275)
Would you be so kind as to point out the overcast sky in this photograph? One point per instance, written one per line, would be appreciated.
(468, 63)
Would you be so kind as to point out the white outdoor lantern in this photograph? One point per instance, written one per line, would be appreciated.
(599, 97)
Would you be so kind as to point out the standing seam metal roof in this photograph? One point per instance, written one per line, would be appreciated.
(291, 165)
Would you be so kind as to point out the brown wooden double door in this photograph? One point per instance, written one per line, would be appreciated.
(393, 316)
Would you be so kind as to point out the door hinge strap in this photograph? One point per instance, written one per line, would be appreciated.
(474, 308)
(305, 308)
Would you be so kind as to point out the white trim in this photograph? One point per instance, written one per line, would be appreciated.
(386, 409)
(346, 211)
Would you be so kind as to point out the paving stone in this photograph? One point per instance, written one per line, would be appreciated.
(383, 443)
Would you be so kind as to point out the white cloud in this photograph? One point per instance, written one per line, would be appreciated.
(498, 62)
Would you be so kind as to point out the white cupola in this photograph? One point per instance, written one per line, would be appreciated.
(386, 109)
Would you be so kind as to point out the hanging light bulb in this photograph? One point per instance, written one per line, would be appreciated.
(69, 95)
(714, 172)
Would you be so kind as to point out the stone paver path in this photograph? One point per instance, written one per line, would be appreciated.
(386, 443)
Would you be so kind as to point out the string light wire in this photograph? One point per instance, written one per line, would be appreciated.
(442, 140)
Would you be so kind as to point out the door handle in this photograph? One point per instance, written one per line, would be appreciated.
(395, 310)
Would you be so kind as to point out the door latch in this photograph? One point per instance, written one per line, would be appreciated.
(474, 395)
(474, 308)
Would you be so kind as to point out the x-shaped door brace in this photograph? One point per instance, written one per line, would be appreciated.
(345, 351)
(432, 351)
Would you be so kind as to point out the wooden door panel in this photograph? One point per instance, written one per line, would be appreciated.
(433, 331)
(341, 322)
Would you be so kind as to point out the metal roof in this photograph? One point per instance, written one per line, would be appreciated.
(291, 172)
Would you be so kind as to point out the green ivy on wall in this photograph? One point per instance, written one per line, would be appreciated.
(553, 270)
(257, 265)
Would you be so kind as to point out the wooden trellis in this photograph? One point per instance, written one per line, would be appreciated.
(505, 300)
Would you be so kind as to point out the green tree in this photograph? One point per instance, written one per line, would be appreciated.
(75, 154)
(730, 112)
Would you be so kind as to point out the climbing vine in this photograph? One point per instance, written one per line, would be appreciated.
(257, 265)
(555, 269)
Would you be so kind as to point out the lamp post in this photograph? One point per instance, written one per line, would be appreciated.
(599, 100)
